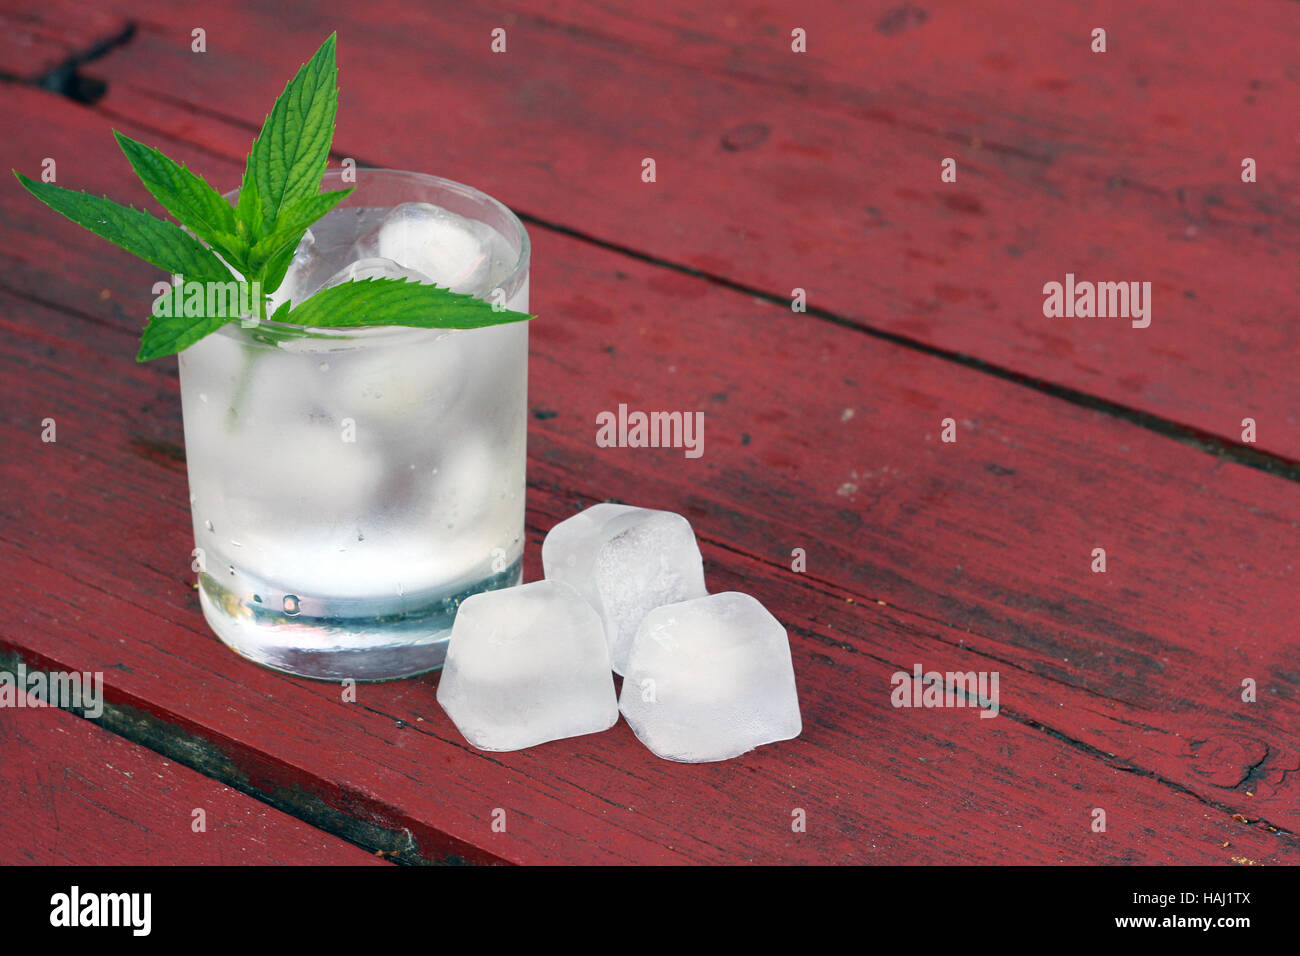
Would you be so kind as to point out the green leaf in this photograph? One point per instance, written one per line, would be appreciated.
(187, 197)
(155, 240)
(168, 335)
(248, 210)
(282, 312)
(369, 302)
(294, 220)
(291, 152)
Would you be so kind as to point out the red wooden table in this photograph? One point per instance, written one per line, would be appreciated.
(1120, 691)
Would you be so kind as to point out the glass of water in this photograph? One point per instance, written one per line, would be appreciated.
(350, 487)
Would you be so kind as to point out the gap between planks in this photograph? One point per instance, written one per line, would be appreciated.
(179, 745)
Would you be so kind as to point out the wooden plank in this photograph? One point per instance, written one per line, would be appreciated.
(76, 795)
(1107, 666)
(821, 171)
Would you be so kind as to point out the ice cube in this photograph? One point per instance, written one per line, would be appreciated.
(710, 679)
(526, 665)
(625, 561)
(452, 251)
(375, 267)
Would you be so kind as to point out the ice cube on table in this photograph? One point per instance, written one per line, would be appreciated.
(526, 665)
(710, 679)
(625, 561)
(452, 251)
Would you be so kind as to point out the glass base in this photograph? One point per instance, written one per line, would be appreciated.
(337, 640)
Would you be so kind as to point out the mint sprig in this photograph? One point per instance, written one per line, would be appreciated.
(291, 152)
(254, 241)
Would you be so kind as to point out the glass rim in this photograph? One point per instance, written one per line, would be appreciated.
(340, 334)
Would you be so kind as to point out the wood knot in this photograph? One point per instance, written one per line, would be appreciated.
(1228, 759)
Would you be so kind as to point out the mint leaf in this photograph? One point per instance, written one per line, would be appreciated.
(282, 313)
(293, 222)
(187, 197)
(291, 152)
(167, 335)
(248, 210)
(369, 302)
(157, 241)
